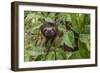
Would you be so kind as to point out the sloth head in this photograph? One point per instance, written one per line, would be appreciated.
(48, 29)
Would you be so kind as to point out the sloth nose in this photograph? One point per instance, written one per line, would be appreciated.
(49, 33)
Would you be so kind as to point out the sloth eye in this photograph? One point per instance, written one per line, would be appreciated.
(53, 32)
(44, 29)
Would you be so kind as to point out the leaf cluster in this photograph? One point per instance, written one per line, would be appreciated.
(34, 40)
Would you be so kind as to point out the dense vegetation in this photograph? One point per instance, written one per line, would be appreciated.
(34, 39)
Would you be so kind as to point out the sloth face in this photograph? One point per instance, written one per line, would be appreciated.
(49, 31)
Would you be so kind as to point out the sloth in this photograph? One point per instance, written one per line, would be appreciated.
(52, 34)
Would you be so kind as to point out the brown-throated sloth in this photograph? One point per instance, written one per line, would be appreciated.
(52, 34)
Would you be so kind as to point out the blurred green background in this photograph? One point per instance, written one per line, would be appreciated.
(34, 39)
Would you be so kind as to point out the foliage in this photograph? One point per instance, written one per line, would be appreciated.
(34, 40)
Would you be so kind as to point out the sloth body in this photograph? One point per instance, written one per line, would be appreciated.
(50, 31)
(52, 34)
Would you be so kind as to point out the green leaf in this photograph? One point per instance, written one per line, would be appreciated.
(85, 38)
(68, 38)
(29, 17)
(39, 58)
(75, 21)
(75, 55)
(60, 54)
(34, 51)
(62, 28)
(50, 56)
(83, 50)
